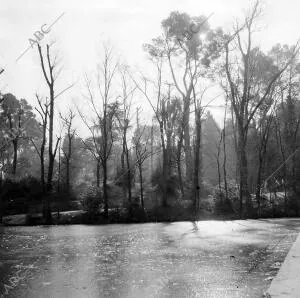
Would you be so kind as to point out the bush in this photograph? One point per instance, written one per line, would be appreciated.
(121, 177)
(92, 200)
(223, 206)
(206, 189)
(172, 182)
(17, 194)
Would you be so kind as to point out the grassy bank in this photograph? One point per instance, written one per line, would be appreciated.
(168, 214)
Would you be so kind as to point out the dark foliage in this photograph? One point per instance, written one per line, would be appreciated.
(18, 194)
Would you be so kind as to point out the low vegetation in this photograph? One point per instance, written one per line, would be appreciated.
(177, 163)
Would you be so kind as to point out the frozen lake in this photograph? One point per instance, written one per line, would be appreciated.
(184, 259)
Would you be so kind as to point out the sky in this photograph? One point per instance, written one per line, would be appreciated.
(127, 25)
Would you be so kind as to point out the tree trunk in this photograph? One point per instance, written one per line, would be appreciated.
(243, 171)
(141, 184)
(151, 157)
(50, 173)
(98, 173)
(15, 159)
(258, 187)
(219, 167)
(279, 138)
(187, 142)
(105, 194)
(47, 209)
(59, 171)
(105, 158)
(224, 167)
(169, 152)
(50, 82)
(128, 176)
(68, 174)
(51, 156)
(123, 177)
(225, 156)
(178, 161)
(262, 154)
(43, 145)
(69, 160)
(1, 201)
(196, 186)
(42, 159)
(294, 178)
(1, 211)
(235, 137)
(165, 177)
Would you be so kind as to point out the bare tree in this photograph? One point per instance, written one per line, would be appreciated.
(51, 72)
(15, 138)
(248, 90)
(264, 133)
(218, 158)
(160, 115)
(197, 149)
(188, 58)
(124, 122)
(199, 110)
(151, 146)
(70, 134)
(101, 127)
(142, 152)
(178, 157)
(224, 152)
(43, 111)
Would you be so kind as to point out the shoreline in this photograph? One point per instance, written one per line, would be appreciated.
(74, 217)
(81, 217)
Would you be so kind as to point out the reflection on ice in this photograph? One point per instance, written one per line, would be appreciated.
(184, 259)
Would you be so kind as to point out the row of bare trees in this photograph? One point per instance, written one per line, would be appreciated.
(260, 92)
(252, 81)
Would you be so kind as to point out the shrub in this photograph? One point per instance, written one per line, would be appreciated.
(92, 200)
(121, 177)
(172, 182)
(206, 189)
(229, 205)
(17, 194)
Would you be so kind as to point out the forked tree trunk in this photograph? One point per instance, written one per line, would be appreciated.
(50, 82)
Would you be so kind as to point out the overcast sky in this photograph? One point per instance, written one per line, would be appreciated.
(127, 24)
